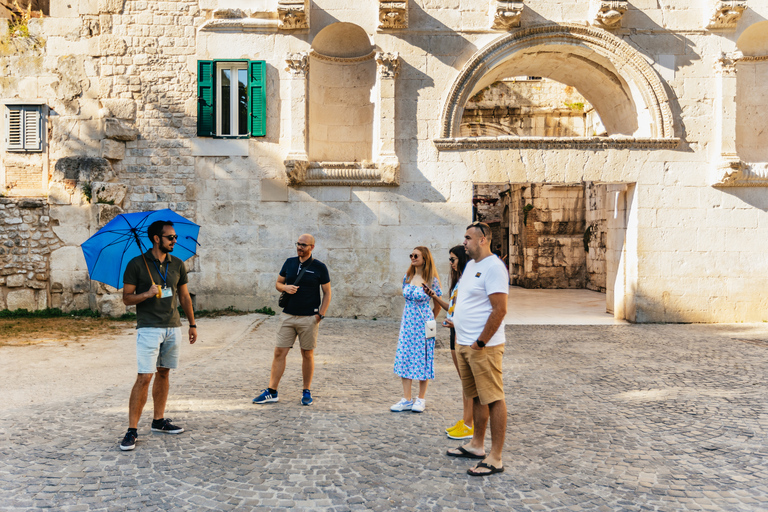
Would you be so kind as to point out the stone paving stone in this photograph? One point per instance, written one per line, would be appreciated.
(629, 417)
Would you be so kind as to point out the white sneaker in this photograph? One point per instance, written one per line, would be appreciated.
(402, 405)
(419, 405)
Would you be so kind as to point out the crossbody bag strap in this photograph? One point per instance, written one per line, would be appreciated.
(301, 274)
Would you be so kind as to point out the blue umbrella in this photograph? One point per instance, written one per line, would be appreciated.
(108, 252)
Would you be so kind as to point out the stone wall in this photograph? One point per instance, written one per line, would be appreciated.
(595, 235)
(533, 108)
(119, 78)
(547, 248)
(26, 242)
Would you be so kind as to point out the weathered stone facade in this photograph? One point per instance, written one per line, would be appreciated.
(681, 90)
(26, 242)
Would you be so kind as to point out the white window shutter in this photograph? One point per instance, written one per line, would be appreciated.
(32, 138)
(15, 128)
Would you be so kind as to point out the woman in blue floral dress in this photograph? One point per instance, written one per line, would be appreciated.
(415, 355)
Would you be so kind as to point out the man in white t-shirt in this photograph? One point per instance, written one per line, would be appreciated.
(481, 304)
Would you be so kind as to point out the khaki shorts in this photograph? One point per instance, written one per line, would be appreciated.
(305, 327)
(480, 372)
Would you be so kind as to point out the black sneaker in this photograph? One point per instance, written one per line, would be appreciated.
(129, 441)
(165, 426)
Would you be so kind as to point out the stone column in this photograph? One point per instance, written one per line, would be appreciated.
(728, 167)
(298, 67)
(388, 68)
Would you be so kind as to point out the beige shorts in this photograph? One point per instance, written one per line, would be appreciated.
(305, 327)
(480, 372)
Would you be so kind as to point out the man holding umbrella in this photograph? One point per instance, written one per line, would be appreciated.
(156, 283)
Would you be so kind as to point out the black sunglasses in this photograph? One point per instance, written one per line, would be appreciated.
(453, 259)
(414, 256)
(479, 225)
(171, 237)
(299, 244)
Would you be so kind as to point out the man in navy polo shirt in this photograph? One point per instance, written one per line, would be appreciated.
(301, 317)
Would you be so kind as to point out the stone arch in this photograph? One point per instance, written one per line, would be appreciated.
(629, 96)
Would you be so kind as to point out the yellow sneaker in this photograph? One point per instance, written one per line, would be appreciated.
(458, 424)
(464, 432)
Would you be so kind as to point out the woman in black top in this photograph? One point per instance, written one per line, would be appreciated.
(464, 428)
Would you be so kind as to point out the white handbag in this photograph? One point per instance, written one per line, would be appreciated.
(430, 329)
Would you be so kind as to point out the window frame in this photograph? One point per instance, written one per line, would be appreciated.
(234, 66)
(30, 113)
(209, 111)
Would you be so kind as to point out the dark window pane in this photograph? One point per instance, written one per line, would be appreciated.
(226, 102)
(242, 89)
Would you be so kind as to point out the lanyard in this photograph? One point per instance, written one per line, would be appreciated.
(163, 277)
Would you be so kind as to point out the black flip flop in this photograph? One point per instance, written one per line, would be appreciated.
(464, 454)
(493, 469)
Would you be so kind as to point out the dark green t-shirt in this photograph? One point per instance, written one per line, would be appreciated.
(156, 312)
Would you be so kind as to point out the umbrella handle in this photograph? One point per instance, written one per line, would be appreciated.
(150, 274)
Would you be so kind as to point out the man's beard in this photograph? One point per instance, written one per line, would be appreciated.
(165, 249)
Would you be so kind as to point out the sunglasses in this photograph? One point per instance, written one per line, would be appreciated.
(171, 237)
(479, 225)
(414, 256)
(453, 259)
(299, 244)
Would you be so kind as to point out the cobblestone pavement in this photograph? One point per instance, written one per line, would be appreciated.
(629, 417)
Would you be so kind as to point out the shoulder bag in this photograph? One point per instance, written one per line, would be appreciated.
(285, 297)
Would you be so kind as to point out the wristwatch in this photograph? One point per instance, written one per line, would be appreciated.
(480, 344)
(193, 325)
(321, 316)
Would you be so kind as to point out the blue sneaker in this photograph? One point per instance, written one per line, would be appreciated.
(306, 398)
(265, 397)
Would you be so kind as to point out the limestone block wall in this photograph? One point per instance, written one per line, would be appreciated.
(340, 110)
(120, 80)
(594, 235)
(538, 107)
(549, 245)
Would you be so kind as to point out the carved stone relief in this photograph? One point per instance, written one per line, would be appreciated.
(393, 14)
(342, 173)
(293, 14)
(610, 13)
(388, 64)
(298, 64)
(506, 14)
(726, 64)
(228, 14)
(726, 14)
(296, 170)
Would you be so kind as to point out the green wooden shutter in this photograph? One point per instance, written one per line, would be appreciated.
(257, 98)
(206, 107)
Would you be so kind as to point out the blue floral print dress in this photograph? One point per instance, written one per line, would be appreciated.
(416, 354)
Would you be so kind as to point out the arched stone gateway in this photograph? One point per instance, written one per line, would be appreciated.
(624, 89)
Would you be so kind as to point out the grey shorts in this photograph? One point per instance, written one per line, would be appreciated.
(305, 327)
(157, 347)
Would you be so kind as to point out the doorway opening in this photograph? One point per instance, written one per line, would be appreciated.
(563, 236)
